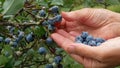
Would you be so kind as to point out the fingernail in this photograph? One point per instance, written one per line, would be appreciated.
(71, 49)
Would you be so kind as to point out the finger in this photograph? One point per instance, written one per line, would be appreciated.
(61, 40)
(74, 33)
(84, 50)
(65, 34)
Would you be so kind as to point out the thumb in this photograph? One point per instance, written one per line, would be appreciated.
(84, 50)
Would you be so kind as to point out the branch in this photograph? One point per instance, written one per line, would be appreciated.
(20, 25)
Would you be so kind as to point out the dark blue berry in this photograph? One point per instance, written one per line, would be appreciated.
(42, 50)
(92, 43)
(49, 40)
(50, 27)
(86, 43)
(58, 18)
(7, 40)
(99, 40)
(21, 35)
(29, 38)
(49, 66)
(54, 9)
(14, 44)
(42, 13)
(89, 38)
(57, 59)
(84, 34)
(79, 39)
(45, 23)
(51, 21)
(1, 39)
(98, 44)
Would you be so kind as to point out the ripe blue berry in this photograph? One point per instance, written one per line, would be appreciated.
(7, 40)
(21, 35)
(54, 9)
(92, 43)
(42, 13)
(42, 50)
(51, 21)
(49, 66)
(86, 43)
(14, 44)
(57, 59)
(49, 40)
(45, 23)
(84, 34)
(58, 18)
(29, 38)
(99, 40)
(79, 39)
(50, 27)
(89, 37)
(1, 39)
(98, 44)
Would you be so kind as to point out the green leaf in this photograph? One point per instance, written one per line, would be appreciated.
(39, 31)
(10, 63)
(3, 60)
(12, 6)
(17, 63)
(57, 2)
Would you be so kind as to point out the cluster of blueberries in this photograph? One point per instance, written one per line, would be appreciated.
(88, 39)
(50, 23)
(43, 51)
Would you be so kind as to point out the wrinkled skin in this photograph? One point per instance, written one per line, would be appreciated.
(99, 23)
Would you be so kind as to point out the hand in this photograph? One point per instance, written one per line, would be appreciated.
(104, 56)
(98, 22)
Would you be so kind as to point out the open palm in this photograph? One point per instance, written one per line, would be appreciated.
(98, 22)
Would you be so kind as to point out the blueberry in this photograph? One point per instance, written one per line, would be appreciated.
(50, 27)
(7, 40)
(12, 30)
(42, 13)
(42, 50)
(57, 59)
(17, 40)
(54, 9)
(49, 40)
(58, 18)
(51, 21)
(29, 38)
(49, 66)
(88, 38)
(1, 39)
(86, 43)
(45, 23)
(14, 44)
(98, 44)
(84, 34)
(92, 43)
(99, 40)
(79, 39)
(21, 35)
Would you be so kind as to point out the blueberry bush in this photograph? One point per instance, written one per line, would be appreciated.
(25, 28)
